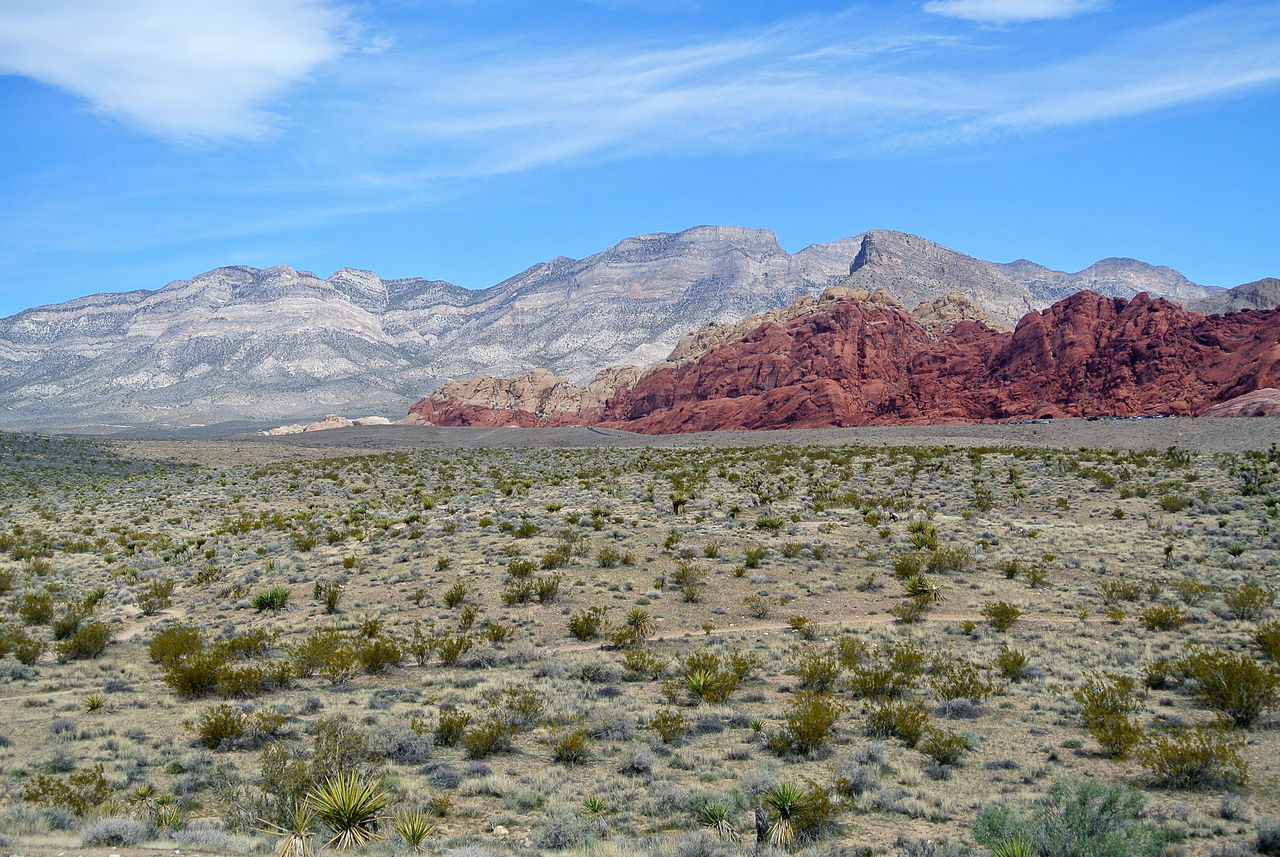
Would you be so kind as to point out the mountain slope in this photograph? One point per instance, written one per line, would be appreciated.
(278, 344)
(863, 360)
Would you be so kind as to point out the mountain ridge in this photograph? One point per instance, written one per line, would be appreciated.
(239, 343)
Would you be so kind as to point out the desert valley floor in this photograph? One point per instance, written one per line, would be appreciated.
(903, 641)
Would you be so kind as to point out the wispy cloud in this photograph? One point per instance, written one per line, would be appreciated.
(819, 87)
(195, 68)
(1012, 11)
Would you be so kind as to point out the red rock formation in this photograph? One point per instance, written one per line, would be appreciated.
(862, 362)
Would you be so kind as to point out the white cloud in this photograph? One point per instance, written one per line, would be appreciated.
(187, 68)
(1011, 11)
(823, 87)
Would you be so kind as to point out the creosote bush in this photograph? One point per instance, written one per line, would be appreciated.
(1195, 757)
(1109, 702)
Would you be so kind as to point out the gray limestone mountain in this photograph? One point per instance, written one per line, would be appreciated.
(1260, 294)
(277, 345)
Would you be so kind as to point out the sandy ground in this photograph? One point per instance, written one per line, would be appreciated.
(1206, 435)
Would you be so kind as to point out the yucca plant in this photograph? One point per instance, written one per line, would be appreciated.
(717, 816)
(1015, 846)
(300, 818)
(923, 590)
(594, 805)
(351, 807)
(787, 801)
(413, 827)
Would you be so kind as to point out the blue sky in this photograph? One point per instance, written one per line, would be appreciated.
(145, 141)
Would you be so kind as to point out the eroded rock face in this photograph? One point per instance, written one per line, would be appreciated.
(858, 358)
(537, 398)
(1259, 403)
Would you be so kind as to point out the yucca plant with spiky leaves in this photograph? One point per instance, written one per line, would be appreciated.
(351, 807)
(300, 819)
(1014, 847)
(787, 801)
(923, 590)
(717, 816)
(595, 805)
(413, 827)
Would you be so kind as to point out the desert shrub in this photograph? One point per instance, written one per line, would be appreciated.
(547, 588)
(274, 598)
(1191, 591)
(454, 595)
(1267, 638)
(351, 807)
(796, 813)
(517, 592)
(450, 647)
(851, 652)
(669, 723)
(564, 829)
(174, 642)
(156, 596)
(241, 681)
(1109, 701)
(1012, 663)
(377, 654)
(816, 671)
(313, 651)
(889, 674)
(753, 554)
(219, 726)
(608, 557)
(904, 719)
(1248, 601)
(1173, 502)
(1076, 819)
(79, 792)
(115, 832)
(957, 678)
(809, 721)
(492, 736)
(197, 674)
(1001, 614)
(568, 746)
(1268, 840)
(329, 594)
(943, 746)
(1163, 617)
(585, 624)
(70, 619)
(26, 648)
(643, 663)
(948, 560)
(1119, 590)
(1194, 757)
(86, 643)
(36, 608)
(908, 564)
(707, 678)
(1234, 685)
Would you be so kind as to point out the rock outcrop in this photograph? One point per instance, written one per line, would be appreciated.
(858, 359)
(255, 345)
(1259, 403)
(1261, 294)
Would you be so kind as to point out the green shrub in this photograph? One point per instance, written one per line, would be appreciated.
(904, 719)
(1163, 617)
(943, 746)
(957, 678)
(816, 671)
(329, 594)
(156, 596)
(36, 608)
(810, 720)
(585, 624)
(174, 642)
(1195, 757)
(70, 619)
(608, 557)
(1012, 663)
(450, 647)
(492, 736)
(1109, 701)
(1076, 819)
(669, 724)
(194, 675)
(219, 726)
(1267, 638)
(1234, 685)
(1248, 601)
(81, 792)
(376, 654)
(451, 726)
(274, 598)
(86, 643)
(1173, 502)
(1001, 614)
(568, 746)
(454, 595)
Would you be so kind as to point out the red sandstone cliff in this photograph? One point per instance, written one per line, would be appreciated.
(855, 361)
